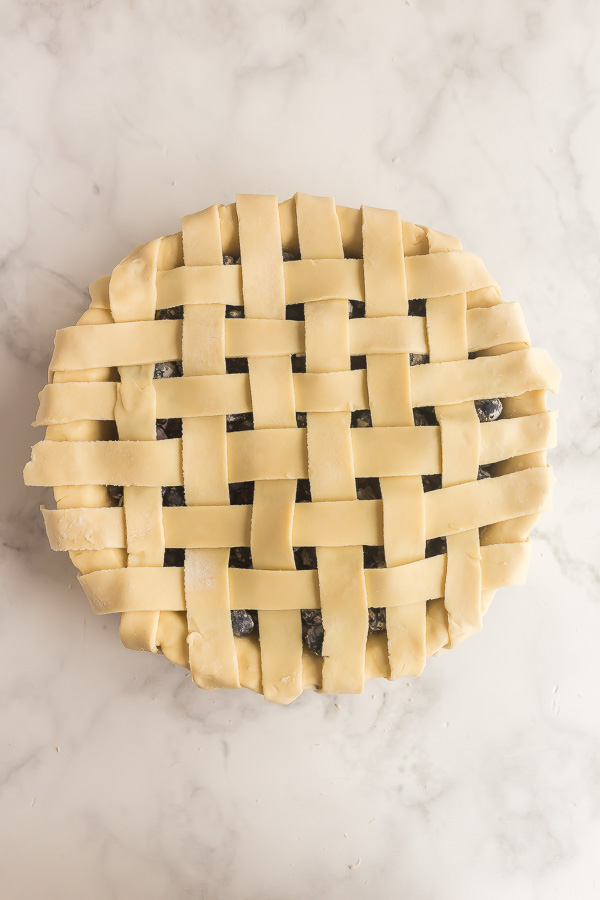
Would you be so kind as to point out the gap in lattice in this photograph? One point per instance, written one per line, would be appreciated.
(373, 557)
(361, 418)
(168, 428)
(305, 557)
(295, 312)
(368, 488)
(417, 307)
(174, 556)
(303, 494)
(241, 493)
(172, 312)
(236, 365)
(356, 309)
(240, 558)
(240, 421)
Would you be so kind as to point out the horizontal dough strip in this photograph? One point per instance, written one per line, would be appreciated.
(509, 374)
(145, 589)
(201, 395)
(506, 375)
(273, 453)
(310, 280)
(139, 343)
(340, 523)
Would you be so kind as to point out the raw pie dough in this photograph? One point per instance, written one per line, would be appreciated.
(102, 402)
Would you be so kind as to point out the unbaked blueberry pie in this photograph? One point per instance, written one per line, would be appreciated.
(296, 445)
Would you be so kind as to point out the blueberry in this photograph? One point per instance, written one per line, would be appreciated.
(418, 359)
(313, 638)
(173, 496)
(161, 434)
(483, 473)
(288, 257)
(301, 420)
(116, 492)
(489, 410)
(228, 260)
(377, 619)
(168, 370)
(242, 622)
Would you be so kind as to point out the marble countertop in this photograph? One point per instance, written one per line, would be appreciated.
(119, 779)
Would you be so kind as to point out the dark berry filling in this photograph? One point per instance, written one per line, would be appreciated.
(242, 622)
(170, 369)
(368, 489)
(173, 496)
(489, 410)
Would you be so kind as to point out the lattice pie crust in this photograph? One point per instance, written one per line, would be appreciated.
(305, 378)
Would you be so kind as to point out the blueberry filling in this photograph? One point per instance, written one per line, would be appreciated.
(431, 482)
(173, 496)
(174, 556)
(305, 557)
(418, 359)
(489, 410)
(361, 418)
(168, 428)
(298, 363)
(435, 547)
(417, 307)
(115, 491)
(240, 558)
(424, 415)
(240, 422)
(377, 619)
(368, 489)
(168, 369)
(242, 622)
(303, 494)
(241, 493)
(173, 312)
(373, 557)
(236, 365)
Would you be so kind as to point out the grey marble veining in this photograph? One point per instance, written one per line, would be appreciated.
(118, 779)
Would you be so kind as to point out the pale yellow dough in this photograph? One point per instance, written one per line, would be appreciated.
(102, 401)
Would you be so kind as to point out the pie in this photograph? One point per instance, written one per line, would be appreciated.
(296, 445)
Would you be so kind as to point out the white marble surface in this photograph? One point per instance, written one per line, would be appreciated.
(118, 779)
